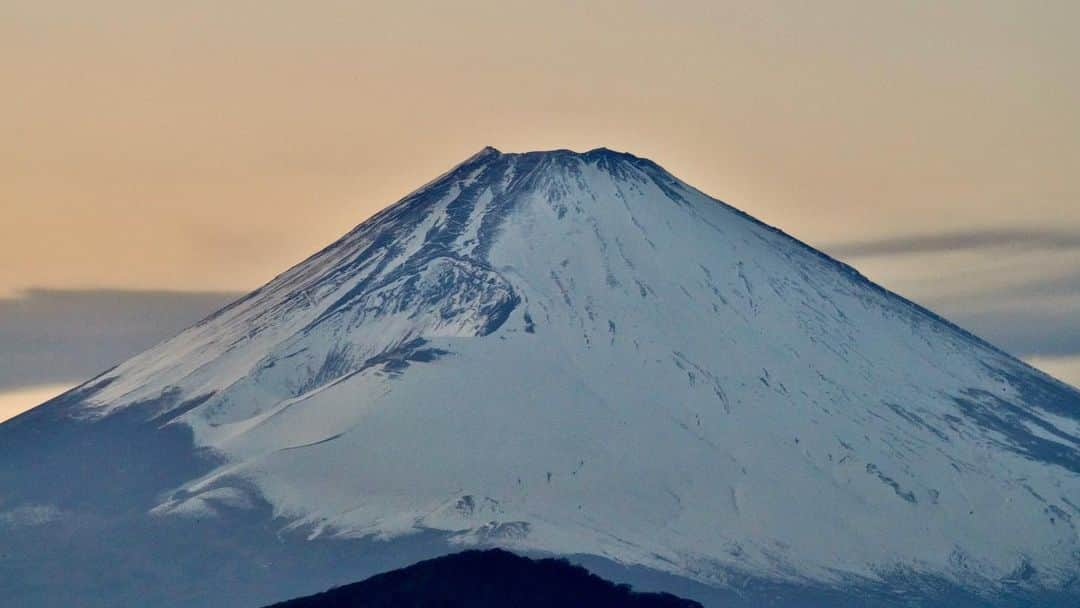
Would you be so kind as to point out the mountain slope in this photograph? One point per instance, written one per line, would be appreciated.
(580, 354)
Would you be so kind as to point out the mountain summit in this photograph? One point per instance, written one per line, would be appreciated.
(573, 354)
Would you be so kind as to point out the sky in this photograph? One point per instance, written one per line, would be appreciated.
(159, 158)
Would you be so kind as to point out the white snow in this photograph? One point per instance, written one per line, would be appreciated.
(699, 392)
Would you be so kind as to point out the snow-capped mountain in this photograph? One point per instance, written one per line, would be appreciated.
(580, 354)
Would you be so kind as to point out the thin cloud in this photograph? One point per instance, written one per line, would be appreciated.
(50, 336)
(1021, 331)
(1046, 240)
(1035, 319)
(66, 336)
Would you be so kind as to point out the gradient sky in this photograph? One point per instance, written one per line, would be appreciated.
(150, 149)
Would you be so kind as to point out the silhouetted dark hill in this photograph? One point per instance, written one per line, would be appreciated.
(479, 579)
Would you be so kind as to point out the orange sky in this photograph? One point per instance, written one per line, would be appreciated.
(208, 145)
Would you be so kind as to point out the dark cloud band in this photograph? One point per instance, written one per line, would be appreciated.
(52, 336)
(1046, 240)
(55, 336)
(1024, 332)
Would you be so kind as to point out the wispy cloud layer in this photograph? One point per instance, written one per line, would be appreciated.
(58, 336)
(1047, 240)
(1019, 289)
(53, 338)
(1023, 330)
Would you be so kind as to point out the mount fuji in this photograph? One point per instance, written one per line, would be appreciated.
(557, 353)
